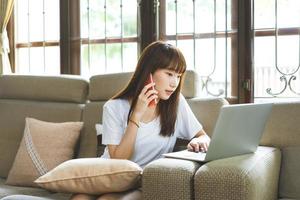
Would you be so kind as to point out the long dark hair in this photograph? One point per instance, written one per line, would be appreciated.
(158, 55)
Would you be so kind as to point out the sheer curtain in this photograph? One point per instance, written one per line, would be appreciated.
(6, 7)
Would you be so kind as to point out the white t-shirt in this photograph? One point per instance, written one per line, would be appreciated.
(149, 144)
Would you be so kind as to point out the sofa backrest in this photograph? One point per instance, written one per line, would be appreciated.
(103, 87)
(53, 99)
(283, 131)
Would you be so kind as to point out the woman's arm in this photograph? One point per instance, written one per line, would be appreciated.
(200, 142)
(125, 149)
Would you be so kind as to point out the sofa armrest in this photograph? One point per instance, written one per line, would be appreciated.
(168, 178)
(250, 176)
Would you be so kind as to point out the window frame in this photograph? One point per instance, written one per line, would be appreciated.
(150, 30)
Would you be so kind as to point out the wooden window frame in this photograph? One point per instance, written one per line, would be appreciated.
(70, 42)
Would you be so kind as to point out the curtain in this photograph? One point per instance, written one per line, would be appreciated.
(6, 7)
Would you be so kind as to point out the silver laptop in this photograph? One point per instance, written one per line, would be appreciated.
(237, 131)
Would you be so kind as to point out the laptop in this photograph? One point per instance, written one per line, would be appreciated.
(237, 131)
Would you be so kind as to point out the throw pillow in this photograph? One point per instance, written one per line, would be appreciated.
(44, 146)
(92, 176)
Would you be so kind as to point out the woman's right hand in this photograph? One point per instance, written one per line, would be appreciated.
(145, 97)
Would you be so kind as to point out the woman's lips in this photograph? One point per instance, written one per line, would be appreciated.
(169, 92)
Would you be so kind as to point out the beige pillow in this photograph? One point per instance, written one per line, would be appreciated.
(44, 146)
(92, 176)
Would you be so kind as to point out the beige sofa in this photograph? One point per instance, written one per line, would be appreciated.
(72, 98)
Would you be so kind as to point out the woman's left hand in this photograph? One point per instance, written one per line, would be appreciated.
(200, 143)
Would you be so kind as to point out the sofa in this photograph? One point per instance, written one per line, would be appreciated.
(270, 173)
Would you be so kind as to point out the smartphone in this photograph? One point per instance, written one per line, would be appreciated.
(150, 80)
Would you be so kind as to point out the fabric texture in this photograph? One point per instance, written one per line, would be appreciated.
(283, 131)
(44, 146)
(169, 179)
(17, 193)
(92, 114)
(92, 176)
(63, 88)
(249, 176)
(290, 173)
(12, 123)
(149, 144)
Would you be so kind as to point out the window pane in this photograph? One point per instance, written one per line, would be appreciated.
(266, 75)
(204, 19)
(212, 62)
(288, 13)
(130, 18)
(97, 19)
(85, 63)
(102, 19)
(22, 55)
(264, 14)
(129, 56)
(97, 58)
(51, 20)
(205, 56)
(114, 58)
(187, 48)
(170, 17)
(279, 80)
(220, 15)
(21, 21)
(84, 18)
(36, 17)
(184, 16)
(264, 49)
(37, 65)
(290, 58)
(52, 60)
(113, 18)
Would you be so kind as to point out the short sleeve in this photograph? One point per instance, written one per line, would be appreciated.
(112, 125)
(187, 124)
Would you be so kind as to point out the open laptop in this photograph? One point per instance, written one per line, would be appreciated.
(237, 131)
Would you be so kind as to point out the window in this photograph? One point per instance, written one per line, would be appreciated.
(109, 36)
(276, 50)
(243, 50)
(37, 37)
(206, 32)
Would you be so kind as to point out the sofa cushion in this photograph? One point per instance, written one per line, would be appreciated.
(29, 197)
(44, 146)
(283, 131)
(289, 175)
(105, 86)
(63, 88)
(283, 128)
(18, 192)
(92, 114)
(12, 123)
(92, 176)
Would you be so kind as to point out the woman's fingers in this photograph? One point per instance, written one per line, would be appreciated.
(189, 147)
(195, 146)
(147, 87)
(148, 94)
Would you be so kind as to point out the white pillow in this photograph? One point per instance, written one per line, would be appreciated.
(99, 129)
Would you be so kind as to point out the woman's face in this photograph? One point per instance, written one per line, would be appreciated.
(166, 82)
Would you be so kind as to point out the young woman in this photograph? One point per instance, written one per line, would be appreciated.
(136, 131)
(140, 131)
